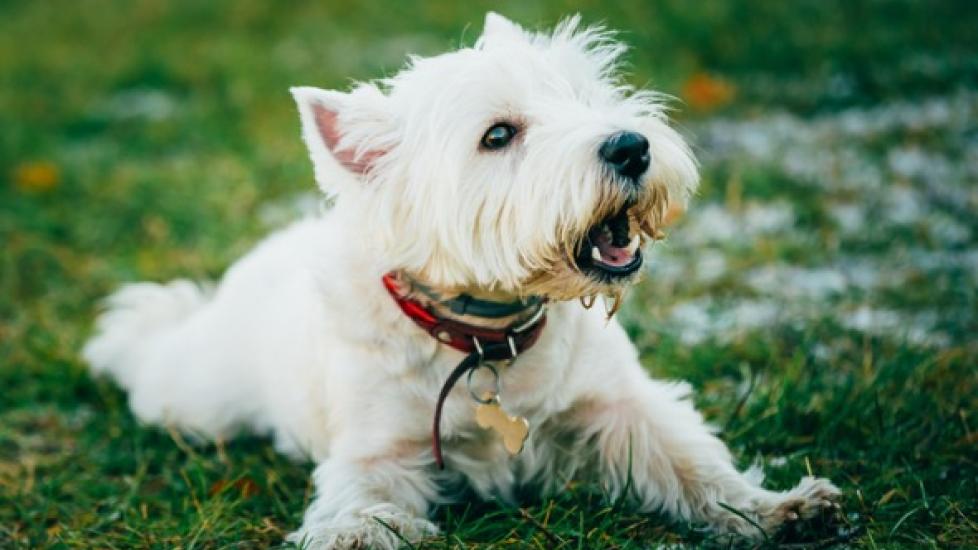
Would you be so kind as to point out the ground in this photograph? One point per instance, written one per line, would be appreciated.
(820, 294)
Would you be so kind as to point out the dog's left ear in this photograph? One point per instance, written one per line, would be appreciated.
(497, 29)
(353, 130)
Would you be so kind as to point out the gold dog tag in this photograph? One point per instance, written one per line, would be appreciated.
(513, 429)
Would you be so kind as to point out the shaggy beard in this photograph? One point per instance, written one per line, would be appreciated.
(565, 280)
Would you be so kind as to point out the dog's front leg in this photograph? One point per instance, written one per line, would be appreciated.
(368, 502)
(651, 442)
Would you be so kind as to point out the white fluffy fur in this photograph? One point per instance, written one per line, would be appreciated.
(301, 341)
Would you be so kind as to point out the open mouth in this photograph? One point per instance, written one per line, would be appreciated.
(610, 250)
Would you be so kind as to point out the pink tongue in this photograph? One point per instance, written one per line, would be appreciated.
(611, 254)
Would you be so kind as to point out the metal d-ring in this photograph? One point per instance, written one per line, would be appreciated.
(495, 384)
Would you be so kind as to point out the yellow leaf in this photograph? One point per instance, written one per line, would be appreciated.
(37, 177)
(704, 92)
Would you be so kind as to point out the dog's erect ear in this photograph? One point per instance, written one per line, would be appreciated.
(498, 28)
(351, 129)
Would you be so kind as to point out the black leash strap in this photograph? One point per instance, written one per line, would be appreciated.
(492, 352)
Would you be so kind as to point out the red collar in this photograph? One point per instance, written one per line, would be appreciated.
(492, 344)
(479, 344)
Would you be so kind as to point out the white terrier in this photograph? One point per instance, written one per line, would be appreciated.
(481, 197)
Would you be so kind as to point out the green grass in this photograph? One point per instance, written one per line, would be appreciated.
(146, 140)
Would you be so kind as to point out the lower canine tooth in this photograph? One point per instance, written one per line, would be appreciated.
(595, 254)
(633, 245)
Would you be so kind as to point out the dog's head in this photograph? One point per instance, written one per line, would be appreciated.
(522, 165)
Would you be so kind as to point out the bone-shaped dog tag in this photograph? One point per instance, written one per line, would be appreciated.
(513, 429)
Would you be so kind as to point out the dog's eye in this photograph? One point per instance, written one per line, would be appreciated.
(498, 136)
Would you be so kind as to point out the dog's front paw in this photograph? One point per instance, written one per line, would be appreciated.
(776, 513)
(812, 497)
(811, 500)
(383, 526)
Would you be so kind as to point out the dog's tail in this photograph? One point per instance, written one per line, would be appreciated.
(134, 317)
(163, 344)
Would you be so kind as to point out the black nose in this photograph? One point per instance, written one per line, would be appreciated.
(627, 153)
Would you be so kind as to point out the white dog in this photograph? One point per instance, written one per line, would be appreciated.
(482, 197)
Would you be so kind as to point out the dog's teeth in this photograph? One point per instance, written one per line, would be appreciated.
(595, 254)
(633, 245)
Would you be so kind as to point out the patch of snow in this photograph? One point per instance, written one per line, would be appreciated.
(691, 322)
(917, 328)
(711, 265)
(948, 231)
(138, 103)
(714, 223)
(707, 223)
(915, 163)
(752, 314)
(850, 217)
(766, 218)
(829, 151)
(903, 205)
(696, 321)
(793, 282)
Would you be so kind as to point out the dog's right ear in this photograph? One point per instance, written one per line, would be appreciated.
(353, 130)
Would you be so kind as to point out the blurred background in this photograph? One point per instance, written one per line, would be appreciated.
(820, 293)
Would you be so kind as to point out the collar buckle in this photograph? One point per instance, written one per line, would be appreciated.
(510, 342)
(512, 347)
(478, 349)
